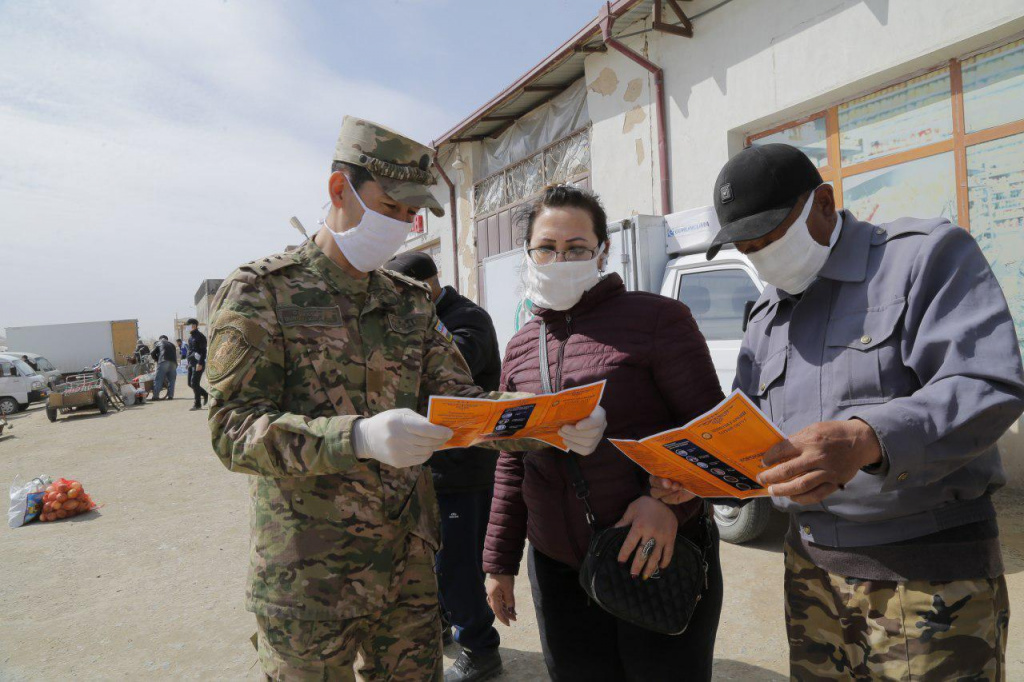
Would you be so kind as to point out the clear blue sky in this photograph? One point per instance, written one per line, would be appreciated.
(147, 146)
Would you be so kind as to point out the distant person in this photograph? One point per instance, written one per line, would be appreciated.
(34, 366)
(464, 481)
(183, 347)
(196, 363)
(166, 356)
(141, 352)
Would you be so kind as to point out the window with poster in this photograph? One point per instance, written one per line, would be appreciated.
(949, 142)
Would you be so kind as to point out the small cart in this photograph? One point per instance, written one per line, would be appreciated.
(78, 392)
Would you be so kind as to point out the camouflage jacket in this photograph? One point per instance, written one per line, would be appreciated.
(299, 351)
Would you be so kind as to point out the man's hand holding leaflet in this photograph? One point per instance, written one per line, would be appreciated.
(716, 455)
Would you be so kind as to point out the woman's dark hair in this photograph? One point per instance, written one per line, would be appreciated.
(357, 175)
(565, 196)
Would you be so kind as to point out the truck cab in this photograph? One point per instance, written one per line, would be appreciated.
(43, 367)
(19, 386)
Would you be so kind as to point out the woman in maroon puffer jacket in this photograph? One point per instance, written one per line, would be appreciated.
(659, 375)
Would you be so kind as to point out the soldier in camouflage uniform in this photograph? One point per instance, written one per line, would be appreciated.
(320, 370)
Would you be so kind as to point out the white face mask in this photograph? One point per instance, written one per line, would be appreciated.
(561, 285)
(372, 242)
(790, 264)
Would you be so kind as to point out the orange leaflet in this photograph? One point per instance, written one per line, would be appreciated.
(718, 454)
(475, 420)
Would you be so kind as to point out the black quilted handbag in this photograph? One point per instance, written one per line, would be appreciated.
(664, 602)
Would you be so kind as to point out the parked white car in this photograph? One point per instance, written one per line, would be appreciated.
(19, 386)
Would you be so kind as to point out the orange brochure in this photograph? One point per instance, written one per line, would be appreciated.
(475, 420)
(718, 454)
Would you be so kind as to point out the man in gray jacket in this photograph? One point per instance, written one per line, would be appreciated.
(888, 355)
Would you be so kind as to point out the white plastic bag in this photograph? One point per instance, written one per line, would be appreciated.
(26, 500)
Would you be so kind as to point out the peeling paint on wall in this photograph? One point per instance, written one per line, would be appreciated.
(633, 89)
(639, 151)
(606, 82)
(634, 117)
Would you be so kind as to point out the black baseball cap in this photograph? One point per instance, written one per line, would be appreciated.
(415, 264)
(192, 320)
(757, 189)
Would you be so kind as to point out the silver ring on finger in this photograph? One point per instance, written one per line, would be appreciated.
(648, 547)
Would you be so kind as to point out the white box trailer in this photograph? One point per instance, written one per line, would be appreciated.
(75, 346)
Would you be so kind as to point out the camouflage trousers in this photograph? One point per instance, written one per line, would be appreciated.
(402, 642)
(850, 629)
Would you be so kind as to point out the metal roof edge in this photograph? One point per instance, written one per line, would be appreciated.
(584, 35)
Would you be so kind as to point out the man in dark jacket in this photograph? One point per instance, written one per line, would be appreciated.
(196, 363)
(464, 480)
(166, 356)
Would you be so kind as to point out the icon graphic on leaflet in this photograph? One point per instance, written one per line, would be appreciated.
(513, 419)
(712, 465)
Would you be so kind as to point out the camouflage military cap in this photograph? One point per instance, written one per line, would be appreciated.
(399, 164)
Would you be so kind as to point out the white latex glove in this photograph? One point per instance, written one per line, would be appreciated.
(196, 355)
(399, 438)
(583, 436)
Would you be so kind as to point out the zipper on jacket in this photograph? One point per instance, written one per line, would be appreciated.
(580, 552)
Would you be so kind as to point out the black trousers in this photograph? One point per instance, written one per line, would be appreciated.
(193, 382)
(581, 641)
(460, 572)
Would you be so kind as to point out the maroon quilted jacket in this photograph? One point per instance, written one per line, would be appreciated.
(659, 375)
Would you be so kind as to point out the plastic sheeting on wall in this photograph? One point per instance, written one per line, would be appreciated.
(565, 113)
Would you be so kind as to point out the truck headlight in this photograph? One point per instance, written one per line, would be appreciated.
(36, 385)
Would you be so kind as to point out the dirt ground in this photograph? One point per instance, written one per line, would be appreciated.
(151, 585)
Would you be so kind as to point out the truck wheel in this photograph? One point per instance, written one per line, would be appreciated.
(101, 402)
(743, 524)
(51, 413)
(8, 405)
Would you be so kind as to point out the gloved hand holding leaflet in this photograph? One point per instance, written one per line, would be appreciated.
(718, 454)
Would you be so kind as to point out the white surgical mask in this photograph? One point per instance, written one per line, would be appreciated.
(791, 263)
(560, 285)
(372, 242)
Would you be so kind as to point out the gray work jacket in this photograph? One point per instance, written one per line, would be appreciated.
(906, 329)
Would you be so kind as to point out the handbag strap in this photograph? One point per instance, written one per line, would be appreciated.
(545, 371)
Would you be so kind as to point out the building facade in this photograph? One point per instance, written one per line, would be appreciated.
(909, 107)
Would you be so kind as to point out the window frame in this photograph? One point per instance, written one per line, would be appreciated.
(959, 143)
(710, 268)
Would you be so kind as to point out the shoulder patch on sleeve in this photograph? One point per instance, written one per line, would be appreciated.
(234, 338)
(443, 331)
(272, 263)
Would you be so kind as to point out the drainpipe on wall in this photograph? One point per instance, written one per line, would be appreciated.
(455, 222)
(607, 20)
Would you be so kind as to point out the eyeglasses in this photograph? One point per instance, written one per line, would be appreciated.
(543, 255)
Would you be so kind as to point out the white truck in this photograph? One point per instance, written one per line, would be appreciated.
(73, 347)
(663, 254)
